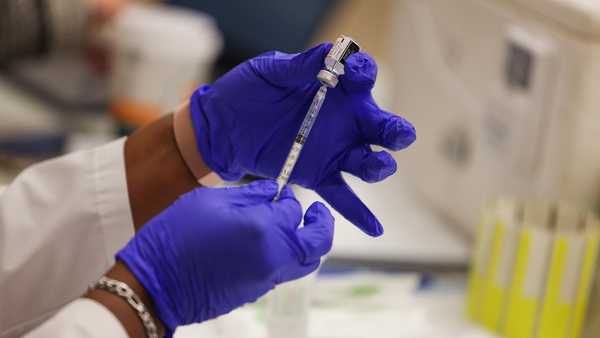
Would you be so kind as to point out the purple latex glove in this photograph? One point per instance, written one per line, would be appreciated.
(214, 250)
(247, 121)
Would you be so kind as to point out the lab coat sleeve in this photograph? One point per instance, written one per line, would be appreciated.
(83, 318)
(61, 222)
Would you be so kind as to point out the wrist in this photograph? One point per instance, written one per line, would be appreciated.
(156, 173)
(187, 143)
(119, 306)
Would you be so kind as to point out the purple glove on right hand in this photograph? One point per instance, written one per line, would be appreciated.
(246, 122)
(214, 250)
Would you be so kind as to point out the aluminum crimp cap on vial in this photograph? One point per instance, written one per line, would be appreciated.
(336, 58)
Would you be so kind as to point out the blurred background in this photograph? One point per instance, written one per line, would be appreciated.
(503, 94)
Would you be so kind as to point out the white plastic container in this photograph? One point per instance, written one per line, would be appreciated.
(288, 308)
(161, 54)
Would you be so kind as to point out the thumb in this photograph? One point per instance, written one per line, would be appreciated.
(316, 237)
(283, 69)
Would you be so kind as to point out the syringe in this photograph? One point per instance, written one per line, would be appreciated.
(334, 67)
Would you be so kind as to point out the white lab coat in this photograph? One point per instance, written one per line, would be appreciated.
(61, 223)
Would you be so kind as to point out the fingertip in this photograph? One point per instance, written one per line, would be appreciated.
(341, 197)
(287, 202)
(287, 192)
(398, 133)
(369, 166)
(317, 210)
(291, 201)
(367, 222)
(320, 205)
(379, 166)
(370, 225)
(316, 237)
(319, 216)
(360, 72)
(376, 228)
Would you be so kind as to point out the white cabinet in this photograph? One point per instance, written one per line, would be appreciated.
(505, 97)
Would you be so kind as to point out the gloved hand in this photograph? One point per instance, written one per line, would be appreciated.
(246, 122)
(214, 250)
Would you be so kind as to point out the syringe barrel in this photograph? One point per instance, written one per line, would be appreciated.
(334, 67)
(301, 136)
(288, 166)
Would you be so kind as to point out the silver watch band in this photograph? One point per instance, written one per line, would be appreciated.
(124, 291)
